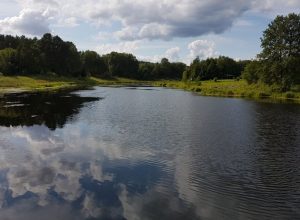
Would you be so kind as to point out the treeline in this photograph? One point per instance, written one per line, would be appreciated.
(214, 68)
(279, 62)
(52, 55)
(21, 55)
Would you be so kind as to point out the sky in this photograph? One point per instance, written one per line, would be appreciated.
(179, 30)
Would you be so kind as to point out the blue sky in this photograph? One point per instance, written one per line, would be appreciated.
(151, 29)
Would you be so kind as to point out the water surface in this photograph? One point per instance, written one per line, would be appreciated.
(147, 153)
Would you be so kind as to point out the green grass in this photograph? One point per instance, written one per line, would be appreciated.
(42, 83)
(232, 88)
(225, 88)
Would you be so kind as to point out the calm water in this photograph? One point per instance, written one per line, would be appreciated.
(147, 153)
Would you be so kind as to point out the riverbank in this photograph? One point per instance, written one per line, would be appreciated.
(223, 88)
(11, 84)
(233, 88)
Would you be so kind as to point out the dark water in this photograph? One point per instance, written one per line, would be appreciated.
(147, 153)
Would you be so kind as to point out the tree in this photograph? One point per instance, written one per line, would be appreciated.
(122, 64)
(93, 64)
(28, 55)
(252, 72)
(281, 51)
(282, 38)
(58, 56)
(146, 71)
(8, 61)
(72, 61)
(177, 70)
(221, 67)
(228, 67)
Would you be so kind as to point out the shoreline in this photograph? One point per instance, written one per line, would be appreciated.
(233, 89)
(221, 88)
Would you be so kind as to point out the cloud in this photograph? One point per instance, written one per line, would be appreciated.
(202, 48)
(173, 54)
(143, 19)
(153, 19)
(29, 22)
(122, 47)
(276, 6)
(67, 22)
(168, 19)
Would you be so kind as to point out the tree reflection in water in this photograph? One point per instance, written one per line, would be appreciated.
(50, 109)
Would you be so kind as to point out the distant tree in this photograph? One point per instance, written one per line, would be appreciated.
(122, 64)
(58, 56)
(211, 68)
(165, 70)
(252, 72)
(177, 70)
(8, 61)
(8, 41)
(93, 64)
(28, 55)
(146, 71)
(228, 67)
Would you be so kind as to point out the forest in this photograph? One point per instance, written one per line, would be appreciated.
(52, 55)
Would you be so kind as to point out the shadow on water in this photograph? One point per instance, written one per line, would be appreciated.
(50, 109)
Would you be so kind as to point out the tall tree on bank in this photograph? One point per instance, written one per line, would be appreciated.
(279, 61)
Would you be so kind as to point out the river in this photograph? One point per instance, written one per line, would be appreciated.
(147, 153)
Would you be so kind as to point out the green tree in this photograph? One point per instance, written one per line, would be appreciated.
(281, 51)
(8, 61)
(252, 72)
(282, 38)
(28, 55)
(228, 68)
(122, 64)
(93, 64)
(58, 56)
(146, 71)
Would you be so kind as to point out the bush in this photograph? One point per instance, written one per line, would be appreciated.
(252, 72)
(290, 95)
(263, 95)
(230, 93)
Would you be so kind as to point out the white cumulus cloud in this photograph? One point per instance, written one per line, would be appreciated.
(202, 48)
(29, 22)
(148, 19)
(122, 47)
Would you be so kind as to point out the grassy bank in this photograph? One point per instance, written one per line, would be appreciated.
(45, 83)
(231, 88)
(225, 88)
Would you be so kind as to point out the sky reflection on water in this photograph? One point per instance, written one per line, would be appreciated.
(149, 154)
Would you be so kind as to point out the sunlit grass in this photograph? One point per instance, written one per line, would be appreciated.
(232, 88)
(16, 83)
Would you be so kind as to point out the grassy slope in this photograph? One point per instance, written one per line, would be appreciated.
(228, 88)
(231, 88)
